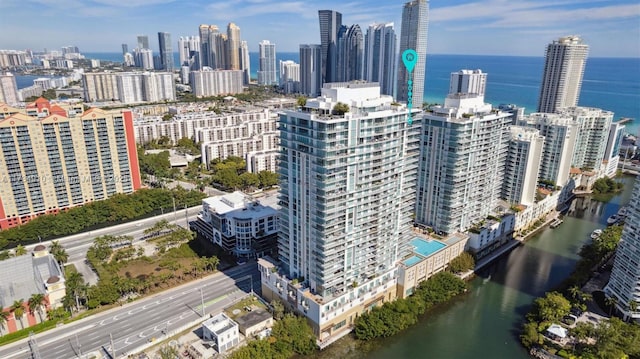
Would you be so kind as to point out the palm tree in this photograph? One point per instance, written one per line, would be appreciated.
(4, 317)
(611, 302)
(75, 284)
(59, 253)
(18, 311)
(35, 304)
(575, 292)
(20, 250)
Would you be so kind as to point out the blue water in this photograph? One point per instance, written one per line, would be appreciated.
(612, 84)
(426, 248)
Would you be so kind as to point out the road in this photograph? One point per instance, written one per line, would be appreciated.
(135, 324)
(77, 245)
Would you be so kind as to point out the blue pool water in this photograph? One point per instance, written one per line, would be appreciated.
(426, 248)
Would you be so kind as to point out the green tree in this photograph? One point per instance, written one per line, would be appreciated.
(155, 164)
(35, 304)
(340, 109)
(530, 335)
(188, 145)
(59, 253)
(18, 311)
(4, 317)
(611, 302)
(633, 306)
(462, 263)
(277, 308)
(249, 180)
(301, 101)
(20, 250)
(552, 307)
(296, 334)
(267, 179)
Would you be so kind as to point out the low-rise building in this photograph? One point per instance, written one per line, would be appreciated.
(254, 322)
(241, 225)
(222, 331)
(429, 257)
(526, 216)
(23, 276)
(330, 317)
(490, 234)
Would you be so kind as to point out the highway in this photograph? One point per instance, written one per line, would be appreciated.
(137, 323)
(77, 245)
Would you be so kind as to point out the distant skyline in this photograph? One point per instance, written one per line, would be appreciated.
(484, 27)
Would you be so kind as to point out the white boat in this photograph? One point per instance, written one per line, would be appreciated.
(613, 219)
(596, 234)
(556, 222)
(622, 212)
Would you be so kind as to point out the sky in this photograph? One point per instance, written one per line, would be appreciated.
(476, 27)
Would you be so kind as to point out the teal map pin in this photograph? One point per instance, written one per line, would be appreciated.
(409, 59)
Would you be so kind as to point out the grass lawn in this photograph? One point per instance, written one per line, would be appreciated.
(249, 301)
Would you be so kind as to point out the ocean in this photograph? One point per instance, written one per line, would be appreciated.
(612, 84)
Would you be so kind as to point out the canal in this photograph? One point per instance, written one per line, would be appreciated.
(485, 323)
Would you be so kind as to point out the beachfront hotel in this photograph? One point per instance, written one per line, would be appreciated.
(57, 156)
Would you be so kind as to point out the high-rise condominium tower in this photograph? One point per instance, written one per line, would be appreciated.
(560, 134)
(330, 23)
(522, 166)
(310, 69)
(203, 32)
(415, 21)
(350, 53)
(624, 284)
(562, 77)
(189, 51)
(214, 47)
(60, 156)
(166, 51)
(462, 161)
(468, 81)
(289, 76)
(346, 191)
(380, 56)
(267, 75)
(593, 134)
(233, 47)
(8, 89)
(245, 62)
(125, 48)
(143, 41)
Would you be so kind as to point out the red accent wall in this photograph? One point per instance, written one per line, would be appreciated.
(4, 224)
(133, 150)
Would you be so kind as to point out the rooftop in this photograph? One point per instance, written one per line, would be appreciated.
(241, 206)
(252, 318)
(23, 276)
(219, 324)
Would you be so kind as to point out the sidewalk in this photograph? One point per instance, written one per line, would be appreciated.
(110, 311)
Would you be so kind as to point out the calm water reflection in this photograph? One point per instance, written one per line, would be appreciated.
(485, 323)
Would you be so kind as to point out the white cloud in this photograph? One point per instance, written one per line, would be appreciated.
(503, 13)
